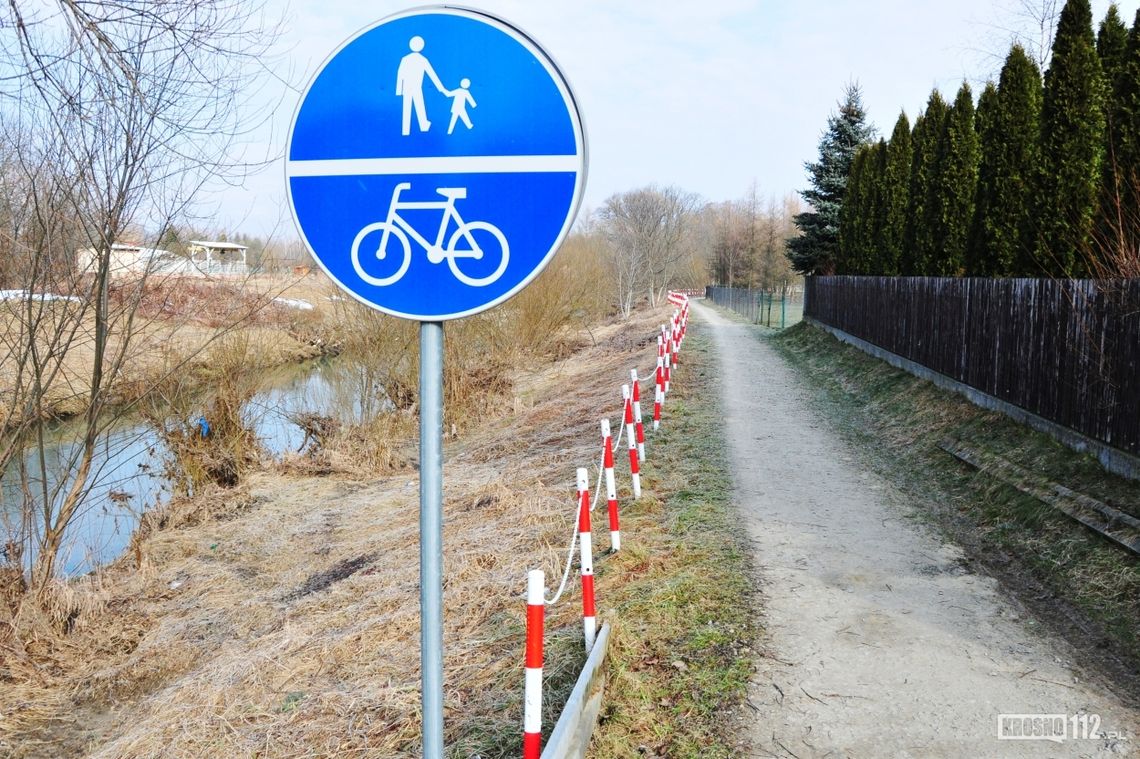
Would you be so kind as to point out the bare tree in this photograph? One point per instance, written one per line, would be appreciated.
(1038, 18)
(1030, 23)
(732, 235)
(647, 230)
(115, 114)
(774, 269)
(749, 242)
(1115, 253)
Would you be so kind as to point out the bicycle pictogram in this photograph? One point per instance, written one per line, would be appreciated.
(461, 246)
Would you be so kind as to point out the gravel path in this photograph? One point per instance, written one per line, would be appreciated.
(879, 642)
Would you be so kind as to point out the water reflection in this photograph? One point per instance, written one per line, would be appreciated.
(127, 468)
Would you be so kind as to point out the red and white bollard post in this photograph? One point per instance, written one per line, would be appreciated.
(673, 340)
(658, 396)
(532, 695)
(675, 337)
(611, 487)
(634, 467)
(660, 382)
(638, 426)
(586, 559)
(668, 362)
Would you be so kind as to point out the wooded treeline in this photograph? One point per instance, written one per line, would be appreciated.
(747, 242)
(1039, 178)
(644, 242)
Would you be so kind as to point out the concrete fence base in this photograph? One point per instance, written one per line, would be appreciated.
(1112, 459)
(571, 734)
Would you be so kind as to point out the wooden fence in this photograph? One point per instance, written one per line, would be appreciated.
(1065, 350)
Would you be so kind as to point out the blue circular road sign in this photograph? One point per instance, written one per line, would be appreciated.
(435, 163)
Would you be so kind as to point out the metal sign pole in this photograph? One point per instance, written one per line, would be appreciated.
(431, 535)
(339, 175)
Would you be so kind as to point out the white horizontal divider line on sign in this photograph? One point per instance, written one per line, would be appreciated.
(476, 164)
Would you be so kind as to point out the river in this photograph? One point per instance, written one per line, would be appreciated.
(127, 468)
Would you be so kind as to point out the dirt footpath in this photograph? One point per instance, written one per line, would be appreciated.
(879, 643)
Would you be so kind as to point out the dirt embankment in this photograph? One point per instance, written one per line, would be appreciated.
(281, 618)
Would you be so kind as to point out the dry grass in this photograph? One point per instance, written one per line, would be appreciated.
(281, 618)
(382, 445)
(683, 650)
(177, 322)
(223, 453)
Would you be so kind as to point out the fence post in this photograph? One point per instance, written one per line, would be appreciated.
(658, 396)
(638, 426)
(673, 340)
(532, 693)
(660, 379)
(634, 469)
(611, 487)
(586, 559)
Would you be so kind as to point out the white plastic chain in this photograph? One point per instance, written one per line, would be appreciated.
(577, 516)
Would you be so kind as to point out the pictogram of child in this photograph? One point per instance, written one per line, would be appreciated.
(460, 99)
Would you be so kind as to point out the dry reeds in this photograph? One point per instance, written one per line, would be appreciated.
(208, 438)
(280, 618)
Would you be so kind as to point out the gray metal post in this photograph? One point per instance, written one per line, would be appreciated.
(431, 535)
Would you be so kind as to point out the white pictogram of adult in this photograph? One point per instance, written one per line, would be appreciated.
(410, 85)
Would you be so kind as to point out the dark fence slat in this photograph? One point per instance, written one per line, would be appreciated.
(1066, 350)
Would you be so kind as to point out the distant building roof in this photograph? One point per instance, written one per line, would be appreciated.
(219, 245)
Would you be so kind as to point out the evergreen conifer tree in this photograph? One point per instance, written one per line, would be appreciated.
(1072, 146)
(1112, 48)
(894, 197)
(877, 210)
(815, 250)
(859, 219)
(979, 249)
(954, 186)
(1011, 223)
(851, 240)
(1126, 118)
(919, 246)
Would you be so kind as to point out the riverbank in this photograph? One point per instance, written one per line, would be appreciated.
(282, 614)
(170, 326)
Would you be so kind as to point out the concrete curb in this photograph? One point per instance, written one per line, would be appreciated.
(1112, 459)
(571, 734)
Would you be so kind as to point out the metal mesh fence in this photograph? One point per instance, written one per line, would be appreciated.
(769, 308)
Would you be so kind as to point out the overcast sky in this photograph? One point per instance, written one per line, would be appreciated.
(708, 95)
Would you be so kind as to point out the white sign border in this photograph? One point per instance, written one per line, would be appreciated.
(568, 98)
